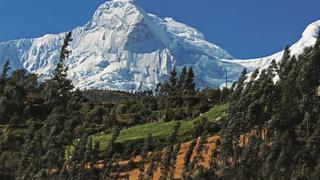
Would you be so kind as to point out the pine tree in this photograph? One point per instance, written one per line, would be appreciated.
(144, 155)
(147, 146)
(12, 102)
(31, 154)
(310, 75)
(173, 82)
(281, 120)
(151, 168)
(109, 152)
(174, 160)
(57, 90)
(285, 58)
(198, 156)
(4, 75)
(187, 158)
(54, 141)
(284, 65)
(74, 103)
(77, 161)
(240, 84)
(158, 89)
(4, 106)
(213, 165)
(273, 68)
(182, 79)
(189, 85)
(168, 154)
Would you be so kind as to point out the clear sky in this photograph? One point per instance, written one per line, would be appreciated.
(245, 28)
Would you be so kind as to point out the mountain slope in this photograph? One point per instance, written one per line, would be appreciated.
(121, 47)
(308, 38)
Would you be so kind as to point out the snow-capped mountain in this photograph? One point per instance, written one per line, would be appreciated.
(308, 38)
(122, 46)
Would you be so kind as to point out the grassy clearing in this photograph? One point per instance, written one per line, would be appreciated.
(102, 140)
(160, 129)
(214, 113)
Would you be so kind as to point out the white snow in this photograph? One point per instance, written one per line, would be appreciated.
(308, 38)
(122, 46)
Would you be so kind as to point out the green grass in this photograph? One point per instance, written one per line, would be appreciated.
(69, 151)
(214, 113)
(102, 140)
(160, 129)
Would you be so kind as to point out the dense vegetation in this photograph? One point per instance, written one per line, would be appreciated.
(267, 126)
(50, 130)
(273, 129)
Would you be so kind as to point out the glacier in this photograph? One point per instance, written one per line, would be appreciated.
(123, 47)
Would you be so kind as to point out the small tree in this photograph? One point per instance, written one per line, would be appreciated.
(110, 151)
(187, 157)
(189, 85)
(173, 82)
(198, 156)
(182, 79)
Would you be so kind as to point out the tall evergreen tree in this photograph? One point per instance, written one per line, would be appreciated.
(285, 58)
(173, 82)
(168, 154)
(187, 158)
(57, 90)
(109, 152)
(189, 84)
(4, 75)
(198, 156)
(182, 79)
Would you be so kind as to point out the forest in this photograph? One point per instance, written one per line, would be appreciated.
(266, 126)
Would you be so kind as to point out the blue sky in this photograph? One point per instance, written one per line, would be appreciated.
(245, 28)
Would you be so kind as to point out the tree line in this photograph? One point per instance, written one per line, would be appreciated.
(272, 130)
(40, 120)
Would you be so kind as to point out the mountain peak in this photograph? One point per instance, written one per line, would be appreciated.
(123, 48)
(125, 1)
(117, 12)
(312, 31)
(308, 38)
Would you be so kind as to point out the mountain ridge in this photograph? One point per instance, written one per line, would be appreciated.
(308, 38)
(122, 47)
